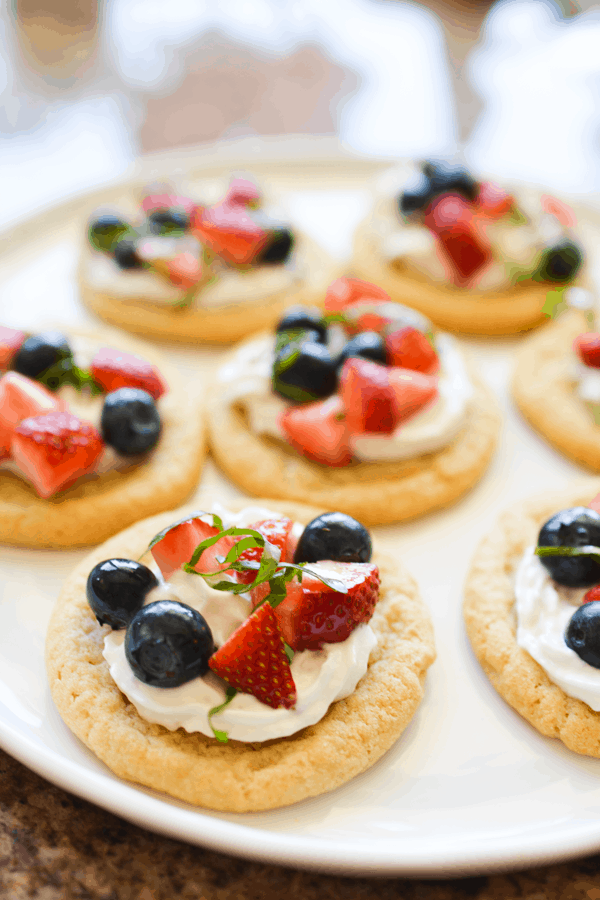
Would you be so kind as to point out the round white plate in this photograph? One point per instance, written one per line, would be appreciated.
(470, 786)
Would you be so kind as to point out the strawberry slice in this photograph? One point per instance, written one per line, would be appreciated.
(55, 449)
(412, 391)
(176, 544)
(243, 192)
(595, 504)
(318, 431)
(154, 202)
(368, 397)
(319, 615)
(228, 230)
(558, 209)
(345, 291)
(10, 341)
(113, 369)
(587, 348)
(184, 270)
(493, 202)
(408, 348)
(20, 398)
(452, 220)
(253, 660)
(592, 595)
(276, 532)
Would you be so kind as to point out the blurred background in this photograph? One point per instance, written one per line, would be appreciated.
(88, 85)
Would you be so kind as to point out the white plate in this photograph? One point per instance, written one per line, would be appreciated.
(469, 787)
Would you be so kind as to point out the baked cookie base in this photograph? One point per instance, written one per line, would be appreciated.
(238, 777)
(545, 393)
(99, 506)
(453, 309)
(198, 325)
(491, 624)
(374, 493)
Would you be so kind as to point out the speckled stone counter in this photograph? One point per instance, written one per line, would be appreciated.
(54, 846)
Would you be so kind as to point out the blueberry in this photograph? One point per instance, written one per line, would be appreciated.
(583, 633)
(168, 221)
(334, 536)
(416, 196)
(576, 527)
(448, 176)
(126, 256)
(106, 230)
(303, 318)
(130, 421)
(366, 345)
(304, 371)
(168, 643)
(46, 356)
(560, 263)
(116, 590)
(278, 247)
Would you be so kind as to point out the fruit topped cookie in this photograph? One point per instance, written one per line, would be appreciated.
(472, 255)
(196, 270)
(365, 408)
(532, 607)
(226, 638)
(84, 428)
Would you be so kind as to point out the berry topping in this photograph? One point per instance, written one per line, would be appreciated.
(230, 231)
(368, 397)
(278, 533)
(21, 398)
(244, 192)
(46, 353)
(55, 449)
(592, 595)
(168, 221)
(168, 643)
(114, 369)
(408, 348)
(452, 220)
(130, 421)
(106, 230)
(174, 546)
(583, 633)
(366, 345)
(560, 262)
(587, 348)
(334, 536)
(319, 615)
(559, 210)
(184, 270)
(116, 590)
(346, 291)
(302, 318)
(253, 660)
(446, 176)
(162, 200)
(416, 196)
(318, 431)
(126, 256)
(493, 201)
(278, 247)
(304, 372)
(10, 341)
(575, 527)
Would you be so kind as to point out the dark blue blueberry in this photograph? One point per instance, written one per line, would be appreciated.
(417, 195)
(334, 536)
(278, 247)
(583, 633)
(44, 354)
(168, 643)
(302, 318)
(304, 371)
(168, 221)
(116, 590)
(575, 527)
(130, 421)
(126, 256)
(106, 230)
(560, 263)
(366, 345)
(448, 176)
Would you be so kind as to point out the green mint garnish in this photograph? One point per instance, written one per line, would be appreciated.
(66, 372)
(222, 736)
(555, 302)
(288, 651)
(588, 550)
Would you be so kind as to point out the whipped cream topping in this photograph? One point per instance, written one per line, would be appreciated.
(321, 677)
(247, 377)
(543, 610)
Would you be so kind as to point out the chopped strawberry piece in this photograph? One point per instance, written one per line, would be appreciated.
(55, 449)
(10, 341)
(184, 270)
(318, 431)
(452, 220)
(253, 660)
(276, 532)
(177, 544)
(587, 348)
(319, 615)
(592, 595)
(408, 348)
(113, 369)
(153, 202)
(559, 210)
(493, 202)
(345, 291)
(20, 398)
(595, 503)
(368, 397)
(228, 230)
(412, 391)
(243, 192)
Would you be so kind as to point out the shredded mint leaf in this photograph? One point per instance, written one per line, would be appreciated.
(588, 550)
(221, 736)
(555, 302)
(66, 372)
(288, 651)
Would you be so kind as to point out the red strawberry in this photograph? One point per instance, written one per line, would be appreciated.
(55, 449)
(177, 543)
(368, 398)
(412, 390)
(408, 348)
(114, 369)
(560, 210)
(318, 615)
(493, 202)
(20, 398)
(243, 192)
(10, 341)
(318, 431)
(345, 291)
(595, 503)
(254, 660)
(277, 532)
(228, 230)
(592, 595)
(451, 219)
(184, 270)
(587, 348)
(153, 202)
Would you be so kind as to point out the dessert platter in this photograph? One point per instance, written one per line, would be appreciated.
(458, 782)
